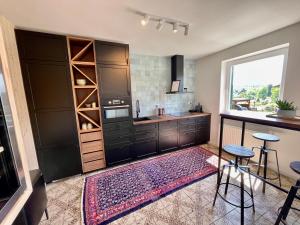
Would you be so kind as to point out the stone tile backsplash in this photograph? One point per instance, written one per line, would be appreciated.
(151, 79)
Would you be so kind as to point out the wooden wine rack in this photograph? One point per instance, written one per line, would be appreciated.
(83, 66)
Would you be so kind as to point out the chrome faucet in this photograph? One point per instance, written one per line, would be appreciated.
(137, 107)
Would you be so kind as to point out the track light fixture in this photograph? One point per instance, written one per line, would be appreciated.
(160, 24)
(186, 30)
(145, 20)
(161, 21)
(175, 27)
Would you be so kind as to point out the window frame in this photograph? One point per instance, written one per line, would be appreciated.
(276, 51)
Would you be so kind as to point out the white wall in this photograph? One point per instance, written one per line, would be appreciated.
(208, 88)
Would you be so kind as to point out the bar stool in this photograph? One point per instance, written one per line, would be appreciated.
(264, 151)
(240, 153)
(284, 211)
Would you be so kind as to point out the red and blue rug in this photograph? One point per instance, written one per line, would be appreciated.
(114, 193)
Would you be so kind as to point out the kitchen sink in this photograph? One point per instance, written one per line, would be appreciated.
(141, 119)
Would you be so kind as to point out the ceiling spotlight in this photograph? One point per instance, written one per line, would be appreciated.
(186, 30)
(160, 24)
(145, 20)
(175, 27)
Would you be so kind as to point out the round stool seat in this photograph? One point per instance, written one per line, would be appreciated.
(266, 137)
(239, 151)
(295, 166)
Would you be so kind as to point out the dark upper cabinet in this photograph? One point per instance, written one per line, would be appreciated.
(47, 84)
(111, 53)
(115, 81)
(41, 46)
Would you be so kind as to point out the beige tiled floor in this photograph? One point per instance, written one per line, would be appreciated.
(190, 205)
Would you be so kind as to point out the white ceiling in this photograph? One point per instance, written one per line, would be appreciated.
(215, 24)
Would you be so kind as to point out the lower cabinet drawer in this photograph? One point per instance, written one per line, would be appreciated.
(168, 142)
(145, 148)
(91, 146)
(92, 156)
(168, 125)
(118, 153)
(93, 165)
(186, 138)
(202, 135)
(92, 136)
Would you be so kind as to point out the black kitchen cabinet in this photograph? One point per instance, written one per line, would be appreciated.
(203, 130)
(47, 83)
(41, 46)
(112, 53)
(187, 132)
(168, 136)
(115, 81)
(117, 153)
(118, 142)
(145, 140)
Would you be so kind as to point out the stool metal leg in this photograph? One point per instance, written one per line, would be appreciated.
(47, 214)
(259, 161)
(242, 198)
(251, 190)
(218, 185)
(288, 203)
(227, 180)
(265, 170)
(278, 172)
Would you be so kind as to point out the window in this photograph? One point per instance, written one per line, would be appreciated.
(254, 83)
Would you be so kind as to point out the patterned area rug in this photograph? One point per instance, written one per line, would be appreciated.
(111, 194)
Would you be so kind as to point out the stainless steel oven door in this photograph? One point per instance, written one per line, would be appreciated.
(116, 113)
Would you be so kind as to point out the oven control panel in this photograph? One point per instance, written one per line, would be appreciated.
(116, 102)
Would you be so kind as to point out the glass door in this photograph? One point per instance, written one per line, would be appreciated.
(9, 182)
(12, 180)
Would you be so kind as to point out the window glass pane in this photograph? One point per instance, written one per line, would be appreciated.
(255, 85)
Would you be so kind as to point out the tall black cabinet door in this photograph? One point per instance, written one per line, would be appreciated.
(48, 91)
(115, 81)
(112, 53)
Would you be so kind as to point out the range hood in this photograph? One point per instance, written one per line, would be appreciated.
(177, 69)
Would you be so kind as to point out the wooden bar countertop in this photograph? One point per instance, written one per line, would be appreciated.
(167, 117)
(260, 118)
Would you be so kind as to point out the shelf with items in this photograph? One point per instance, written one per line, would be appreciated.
(83, 72)
(89, 109)
(85, 86)
(86, 100)
(83, 63)
(90, 130)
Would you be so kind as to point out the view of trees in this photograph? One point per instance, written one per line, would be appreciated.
(261, 98)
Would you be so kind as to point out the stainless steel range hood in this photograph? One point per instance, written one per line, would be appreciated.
(177, 67)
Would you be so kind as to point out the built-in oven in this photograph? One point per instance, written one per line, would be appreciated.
(115, 110)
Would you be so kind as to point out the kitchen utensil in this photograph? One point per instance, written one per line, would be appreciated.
(84, 126)
(81, 82)
(89, 126)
